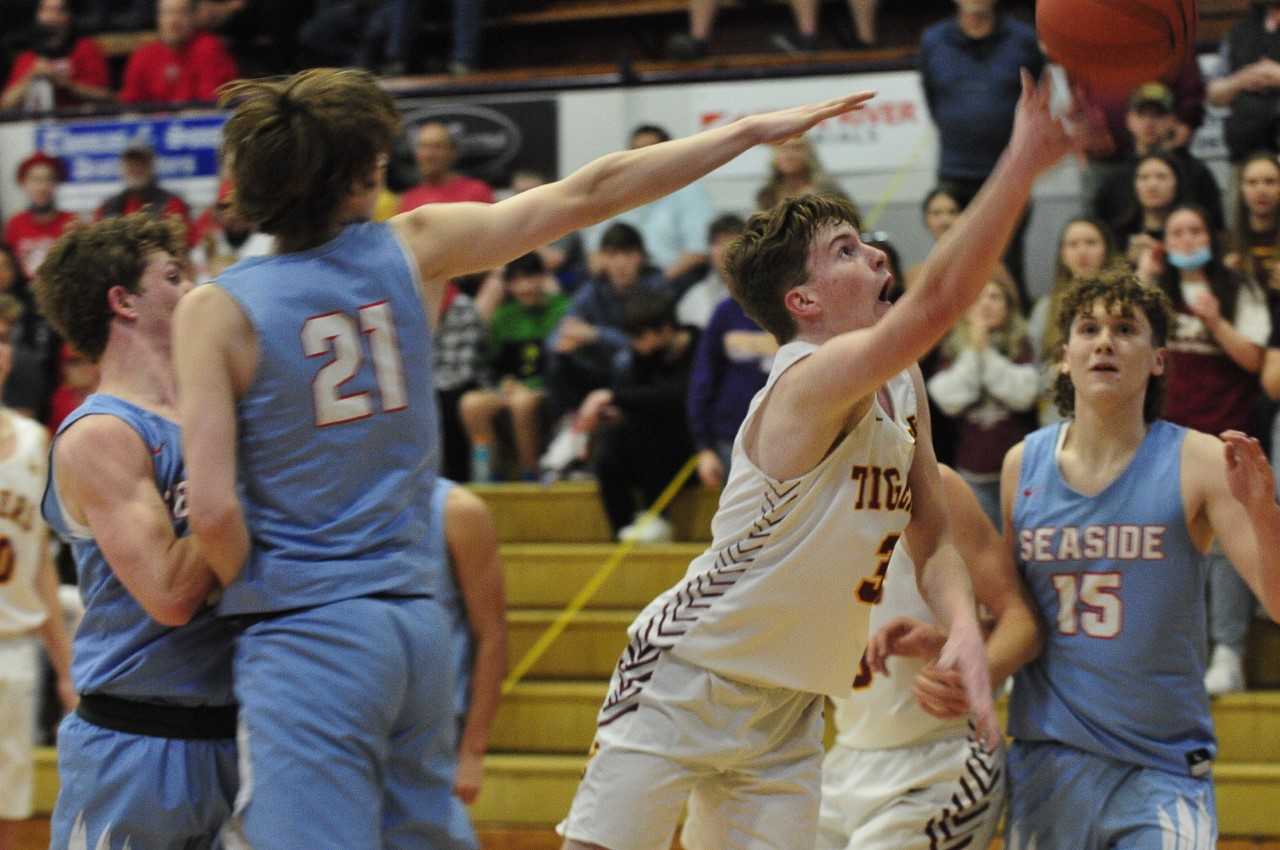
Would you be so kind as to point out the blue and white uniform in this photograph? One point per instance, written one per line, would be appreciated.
(1112, 725)
(149, 759)
(342, 670)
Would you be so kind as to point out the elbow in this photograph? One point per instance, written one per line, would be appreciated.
(172, 610)
(210, 517)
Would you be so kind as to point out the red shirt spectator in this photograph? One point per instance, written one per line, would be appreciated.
(32, 232)
(142, 192)
(59, 69)
(436, 153)
(158, 73)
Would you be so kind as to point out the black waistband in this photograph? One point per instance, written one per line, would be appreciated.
(156, 720)
(244, 621)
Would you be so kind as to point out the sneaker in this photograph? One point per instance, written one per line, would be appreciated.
(686, 48)
(652, 530)
(1226, 672)
(794, 42)
(568, 447)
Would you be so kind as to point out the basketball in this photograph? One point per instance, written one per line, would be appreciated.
(1113, 46)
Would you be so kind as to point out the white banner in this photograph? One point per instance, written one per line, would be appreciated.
(891, 132)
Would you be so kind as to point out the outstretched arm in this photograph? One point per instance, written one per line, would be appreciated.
(818, 394)
(449, 240)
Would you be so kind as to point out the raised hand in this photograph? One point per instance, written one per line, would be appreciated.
(787, 123)
(1039, 138)
(1249, 475)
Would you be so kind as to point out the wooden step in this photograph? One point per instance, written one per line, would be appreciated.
(560, 717)
(548, 575)
(588, 649)
(534, 790)
(571, 512)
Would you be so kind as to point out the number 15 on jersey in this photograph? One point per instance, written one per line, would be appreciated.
(339, 334)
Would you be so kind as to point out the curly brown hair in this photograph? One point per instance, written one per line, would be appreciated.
(771, 256)
(71, 284)
(1119, 289)
(297, 146)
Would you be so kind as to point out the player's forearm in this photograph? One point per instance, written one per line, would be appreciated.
(223, 538)
(945, 585)
(1014, 642)
(967, 255)
(488, 668)
(53, 632)
(619, 181)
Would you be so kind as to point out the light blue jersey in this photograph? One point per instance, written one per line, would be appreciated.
(170, 787)
(118, 649)
(337, 432)
(449, 595)
(1121, 587)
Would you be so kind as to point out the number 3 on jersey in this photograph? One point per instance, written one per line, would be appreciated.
(339, 333)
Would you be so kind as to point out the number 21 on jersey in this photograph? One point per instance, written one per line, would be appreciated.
(338, 335)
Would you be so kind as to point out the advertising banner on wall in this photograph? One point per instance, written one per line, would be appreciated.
(893, 130)
(186, 156)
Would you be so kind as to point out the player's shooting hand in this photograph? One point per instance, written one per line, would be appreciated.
(904, 636)
(1249, 475)
(940, 693)
(469, 777)
(787, 123)
(966, 655)
(1039, 139)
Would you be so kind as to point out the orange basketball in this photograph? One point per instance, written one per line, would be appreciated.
(1115, 45)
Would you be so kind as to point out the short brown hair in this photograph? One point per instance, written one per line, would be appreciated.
(771, 256)
(1118, 288)
(71, 284)
(297, 146)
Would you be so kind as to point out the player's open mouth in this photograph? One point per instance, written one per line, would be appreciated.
(888, 285)
(1104, 367)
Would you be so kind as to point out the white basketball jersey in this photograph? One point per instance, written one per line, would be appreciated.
(22, 530)
(775, 600)
(882, 712)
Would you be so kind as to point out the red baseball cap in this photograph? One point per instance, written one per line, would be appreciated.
(41, 158)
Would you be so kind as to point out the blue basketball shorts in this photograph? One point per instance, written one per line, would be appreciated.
(1063, 798)
(347, 730)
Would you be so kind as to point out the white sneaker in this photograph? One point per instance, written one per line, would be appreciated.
(567, 447)
(1226, 672)
(654, 530)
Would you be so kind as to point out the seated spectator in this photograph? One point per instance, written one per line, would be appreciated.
(1187, 95)
(1255, 236)
(35, 346)
(989, 382)
(674, 227)
(940, 209)
(60, 68)
(730, 365)
(796, 170)
(1215, 352)
(32, 232)
(183, 65)
(1157, 188)
(517, 353)
(1085, 248)
(389, 37)
(640, 418)
(141, 191)
(588, 340)
(79, 380)
(436, 152)
(699, 301)
(1153, 125)
(222, 237)
(803, 38)
(458, 367)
